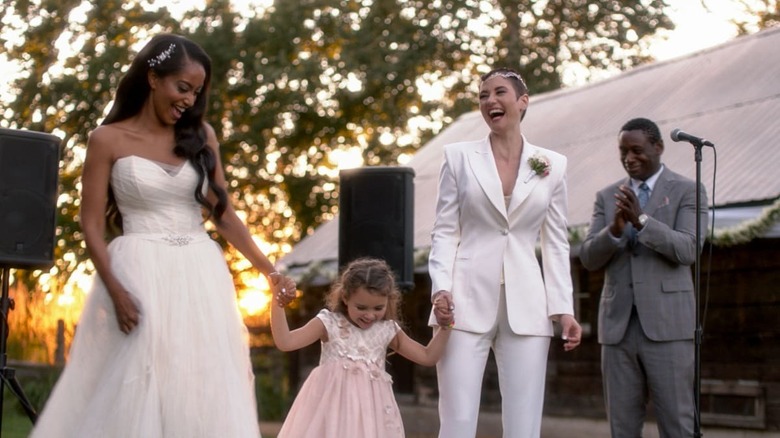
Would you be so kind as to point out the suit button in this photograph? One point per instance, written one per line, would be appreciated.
(504, 232)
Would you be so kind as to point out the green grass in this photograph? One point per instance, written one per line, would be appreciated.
(15, 423)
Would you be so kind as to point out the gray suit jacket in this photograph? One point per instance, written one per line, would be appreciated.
(655, 274)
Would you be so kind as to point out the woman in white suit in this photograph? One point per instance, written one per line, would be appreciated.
(499, 197)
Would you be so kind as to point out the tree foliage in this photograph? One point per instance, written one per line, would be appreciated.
(759, 14)
(298, 80)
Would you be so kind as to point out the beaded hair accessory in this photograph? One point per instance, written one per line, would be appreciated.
(159, 59)
(508, 75)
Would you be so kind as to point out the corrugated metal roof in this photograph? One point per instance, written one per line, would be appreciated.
(729, 94)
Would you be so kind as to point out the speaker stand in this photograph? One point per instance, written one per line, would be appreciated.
(8, 375)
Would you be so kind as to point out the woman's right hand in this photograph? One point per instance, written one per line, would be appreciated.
(127, 312)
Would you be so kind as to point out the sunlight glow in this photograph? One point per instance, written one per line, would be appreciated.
(246, 9)
(387, 138)
(253, 302)
(348, 158)
(353, 83)
(431, 88)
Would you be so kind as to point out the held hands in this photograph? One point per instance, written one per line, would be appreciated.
(571, 332)
(282, 287)
(443, 309)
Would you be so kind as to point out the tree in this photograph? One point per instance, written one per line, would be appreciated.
(759, 14)
(66, 93)
(298, 81)
(546, 37)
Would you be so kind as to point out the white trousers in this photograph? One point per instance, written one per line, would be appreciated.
(522, 369)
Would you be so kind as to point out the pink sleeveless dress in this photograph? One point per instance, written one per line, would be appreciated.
(349, 395)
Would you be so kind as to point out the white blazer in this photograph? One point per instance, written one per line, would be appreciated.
(475, 235)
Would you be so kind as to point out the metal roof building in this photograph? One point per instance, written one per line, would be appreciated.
(729, 94)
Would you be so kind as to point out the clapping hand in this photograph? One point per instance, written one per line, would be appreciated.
(628, 204)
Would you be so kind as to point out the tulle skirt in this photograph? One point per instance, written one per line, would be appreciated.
(344, 399)
(184, 371)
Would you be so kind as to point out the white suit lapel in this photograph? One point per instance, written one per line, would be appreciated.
(484, 167)
(526, 178)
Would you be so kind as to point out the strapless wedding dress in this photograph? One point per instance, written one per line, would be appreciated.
(185, 370)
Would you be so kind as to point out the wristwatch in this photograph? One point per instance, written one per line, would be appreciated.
(643, 219)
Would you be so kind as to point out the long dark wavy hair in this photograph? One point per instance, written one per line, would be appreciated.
(171, 52)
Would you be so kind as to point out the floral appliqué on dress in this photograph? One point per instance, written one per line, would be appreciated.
(352, 382)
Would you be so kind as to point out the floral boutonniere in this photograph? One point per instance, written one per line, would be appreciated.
(540, 165)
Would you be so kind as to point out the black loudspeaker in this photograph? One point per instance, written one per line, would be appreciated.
(29, 163)
(376, 215)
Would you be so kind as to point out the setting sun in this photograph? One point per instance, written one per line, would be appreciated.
(254, 301)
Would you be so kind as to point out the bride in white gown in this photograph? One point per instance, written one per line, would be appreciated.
(160, 349)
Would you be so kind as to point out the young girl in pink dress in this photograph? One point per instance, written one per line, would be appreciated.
(349, 395)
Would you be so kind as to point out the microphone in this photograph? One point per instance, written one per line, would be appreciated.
(678, 135)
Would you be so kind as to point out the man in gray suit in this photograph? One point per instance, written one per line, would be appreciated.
(643, 231)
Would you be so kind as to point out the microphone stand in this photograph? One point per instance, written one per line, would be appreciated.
(7, 374)
(696, 288)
